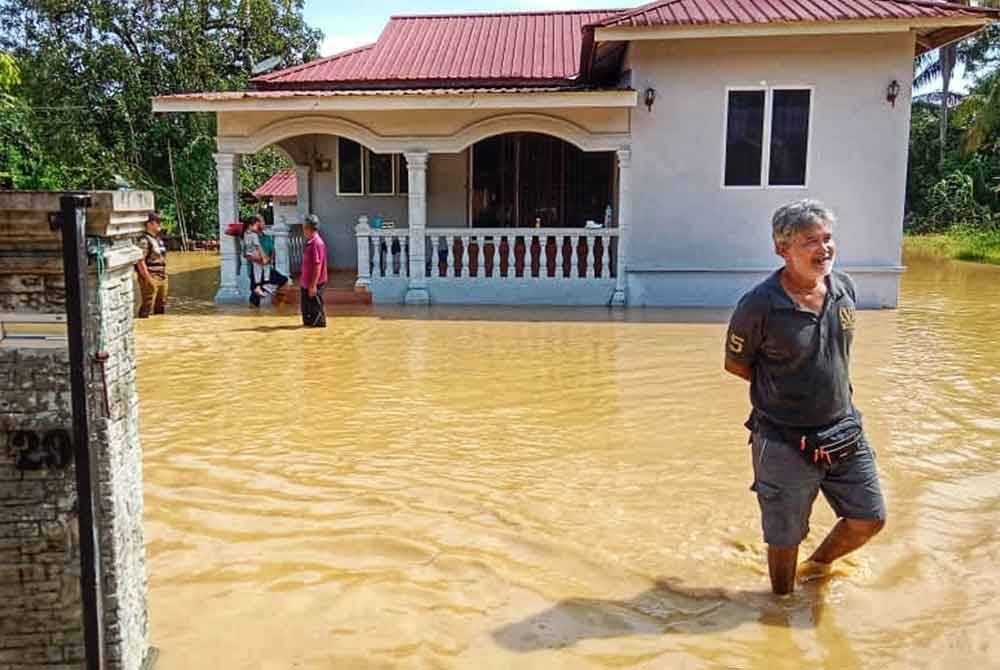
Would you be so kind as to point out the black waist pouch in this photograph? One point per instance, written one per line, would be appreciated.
(829, 444)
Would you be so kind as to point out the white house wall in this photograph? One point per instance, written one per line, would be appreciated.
(695, 242)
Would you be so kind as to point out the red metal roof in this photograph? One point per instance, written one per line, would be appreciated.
(510, 47)
(709, 12)
(547, 48)
(281, 185)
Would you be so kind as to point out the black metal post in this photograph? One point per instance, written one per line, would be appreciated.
(74, 245)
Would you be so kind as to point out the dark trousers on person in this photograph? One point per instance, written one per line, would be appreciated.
(313, 310)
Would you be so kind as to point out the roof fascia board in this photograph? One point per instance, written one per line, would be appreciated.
(631, 33)
(402, 102)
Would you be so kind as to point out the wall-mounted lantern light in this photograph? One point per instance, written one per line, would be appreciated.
(648, 98)
(892, 91)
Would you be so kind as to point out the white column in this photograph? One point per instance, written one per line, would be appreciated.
(416, 166)
(227, 168)
(363, 233)
(619, 299)
(303, 197)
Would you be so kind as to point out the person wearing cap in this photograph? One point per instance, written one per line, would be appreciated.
(314, 275)
(152, 269)
(790, 337)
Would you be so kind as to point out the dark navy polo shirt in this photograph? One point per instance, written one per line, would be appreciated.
(799, 361)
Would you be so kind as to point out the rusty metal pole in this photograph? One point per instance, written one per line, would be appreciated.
(72, 222)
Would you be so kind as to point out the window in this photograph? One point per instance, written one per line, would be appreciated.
(380, 174)
(364, 172)
(775, 118)
(350, 176)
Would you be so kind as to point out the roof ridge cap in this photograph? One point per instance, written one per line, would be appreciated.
(313, 63)
(536, 12)
(946, 3)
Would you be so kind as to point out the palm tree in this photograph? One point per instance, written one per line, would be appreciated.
(973, 54)
(928, 67)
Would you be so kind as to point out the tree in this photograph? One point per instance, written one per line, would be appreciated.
(974, 54)
(89, 69)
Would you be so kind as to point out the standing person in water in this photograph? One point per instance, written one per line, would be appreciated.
(790, 337)
(152, 269)
(314, 276)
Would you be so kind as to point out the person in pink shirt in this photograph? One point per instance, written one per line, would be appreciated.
(313, 277)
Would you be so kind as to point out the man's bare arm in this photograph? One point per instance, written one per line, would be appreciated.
(739, 369)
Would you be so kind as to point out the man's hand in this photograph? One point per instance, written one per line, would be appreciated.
(144, 271)
(739, 369)
(312, 291)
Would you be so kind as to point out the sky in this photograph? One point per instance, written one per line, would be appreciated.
(353, 23)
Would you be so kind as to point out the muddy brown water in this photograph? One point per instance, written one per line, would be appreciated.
(556, 488)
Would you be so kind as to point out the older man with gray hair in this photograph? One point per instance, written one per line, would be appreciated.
(790, 337)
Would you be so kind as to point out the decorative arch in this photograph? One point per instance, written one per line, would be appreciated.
(308, 125)
(537, 123)
(565, 130)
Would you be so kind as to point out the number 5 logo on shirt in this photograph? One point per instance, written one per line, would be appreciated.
(736, 343)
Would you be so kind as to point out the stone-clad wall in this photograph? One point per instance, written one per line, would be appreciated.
(40, 604)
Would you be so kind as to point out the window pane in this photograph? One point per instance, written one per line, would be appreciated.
(403, 175)
(789, 138)
(379, 173)
(349, 166)
(744, 138)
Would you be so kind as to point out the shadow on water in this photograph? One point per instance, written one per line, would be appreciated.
(669, 606)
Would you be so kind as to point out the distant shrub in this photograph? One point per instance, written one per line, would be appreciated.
(951, 202)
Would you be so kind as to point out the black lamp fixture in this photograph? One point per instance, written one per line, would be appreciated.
(892, 91)
(648, 98)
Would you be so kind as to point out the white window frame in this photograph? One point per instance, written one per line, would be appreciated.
(765, 163)
(367, 163)
(364, 172)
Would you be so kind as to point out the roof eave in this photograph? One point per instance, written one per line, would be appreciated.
(395, 100)
(842, 27)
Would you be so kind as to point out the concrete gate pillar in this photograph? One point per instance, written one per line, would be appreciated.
(40, 593)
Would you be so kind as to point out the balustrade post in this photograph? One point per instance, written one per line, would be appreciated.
(363, 233)
(620, 299)
(416, 167)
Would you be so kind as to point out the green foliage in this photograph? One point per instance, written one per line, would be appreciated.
(956, 186)
(951, 202)
(81, 112)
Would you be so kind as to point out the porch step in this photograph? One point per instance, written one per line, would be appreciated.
(336, 296)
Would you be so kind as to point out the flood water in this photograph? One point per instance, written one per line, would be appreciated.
(559, 488)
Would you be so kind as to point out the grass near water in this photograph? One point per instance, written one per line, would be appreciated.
(978, 246)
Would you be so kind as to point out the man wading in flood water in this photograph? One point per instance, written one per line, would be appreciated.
(790, 337)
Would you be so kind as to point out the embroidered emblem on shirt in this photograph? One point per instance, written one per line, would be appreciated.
(736, 343)
(847, 318)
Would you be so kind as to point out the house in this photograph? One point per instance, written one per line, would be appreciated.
(625, 157)
(279, 194)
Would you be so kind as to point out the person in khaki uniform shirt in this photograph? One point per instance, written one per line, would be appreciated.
(152, 269)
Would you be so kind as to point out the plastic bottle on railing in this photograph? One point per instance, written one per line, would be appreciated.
(607, 216)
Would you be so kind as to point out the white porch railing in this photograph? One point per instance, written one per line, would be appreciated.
(497, 253)
(552, 254)
(383, 252)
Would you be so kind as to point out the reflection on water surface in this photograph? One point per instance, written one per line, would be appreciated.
(496, 488)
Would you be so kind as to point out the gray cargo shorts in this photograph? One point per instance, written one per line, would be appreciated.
(786, 487)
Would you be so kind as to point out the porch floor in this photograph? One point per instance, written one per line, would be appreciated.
(339, 290)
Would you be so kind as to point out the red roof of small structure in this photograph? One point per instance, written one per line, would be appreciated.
(511, 47)
(281, 185)
(709, 12)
